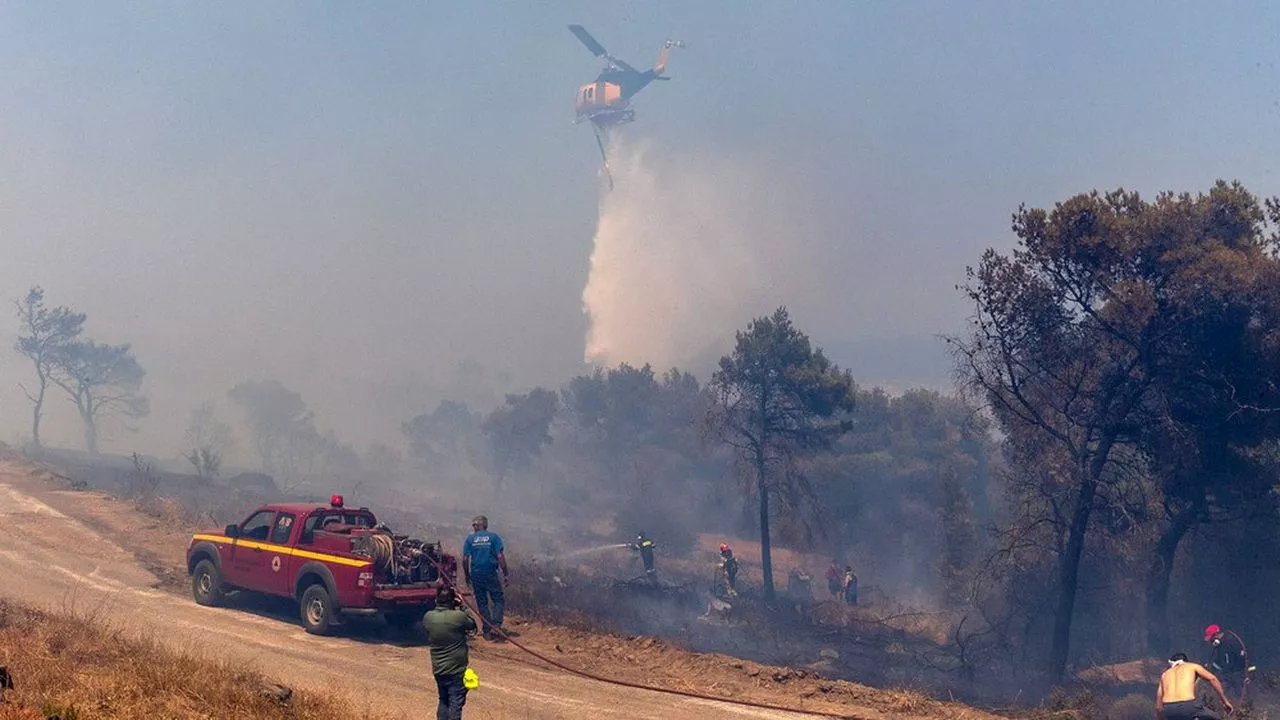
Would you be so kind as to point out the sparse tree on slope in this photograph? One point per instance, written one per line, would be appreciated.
(519, 430)
(283, 429)
(777, 397)
(445, 435)
(104, 381)
(46, 332)
(208, 441)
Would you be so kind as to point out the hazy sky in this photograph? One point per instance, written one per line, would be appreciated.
(352, 198)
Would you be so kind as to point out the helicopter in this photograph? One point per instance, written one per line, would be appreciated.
(607, 101)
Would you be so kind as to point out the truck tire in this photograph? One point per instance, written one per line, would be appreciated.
(317, 610)
(206, 584)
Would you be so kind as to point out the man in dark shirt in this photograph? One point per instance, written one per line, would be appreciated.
(482, 558)
(1229, 661)
(447, 629)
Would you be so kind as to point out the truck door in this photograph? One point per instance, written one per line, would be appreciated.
(277, 571)
(247, 557)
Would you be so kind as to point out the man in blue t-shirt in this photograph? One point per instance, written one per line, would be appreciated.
(482, 557)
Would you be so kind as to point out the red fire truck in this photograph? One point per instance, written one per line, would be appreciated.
(333, 560)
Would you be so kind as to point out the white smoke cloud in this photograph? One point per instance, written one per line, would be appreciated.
(678, 264)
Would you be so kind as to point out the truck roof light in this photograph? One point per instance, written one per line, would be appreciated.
(336, 501)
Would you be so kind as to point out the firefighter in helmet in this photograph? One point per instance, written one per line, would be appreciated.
(645, 547)
(728, 570)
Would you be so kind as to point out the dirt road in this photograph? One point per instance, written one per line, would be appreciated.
(49, 559)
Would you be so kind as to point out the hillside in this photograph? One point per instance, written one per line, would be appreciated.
(152, 535)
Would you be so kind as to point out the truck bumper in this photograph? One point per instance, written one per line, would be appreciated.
(404, 598)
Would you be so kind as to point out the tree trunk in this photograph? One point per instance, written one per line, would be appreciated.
(91, 436)
(1069, 577)
(90, 425)
(766, 554)
(1158, 582)
(38, 409)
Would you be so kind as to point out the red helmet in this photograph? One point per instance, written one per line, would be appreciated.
(724, 547)
(1210, 631)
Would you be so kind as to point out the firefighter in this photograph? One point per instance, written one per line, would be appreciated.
(645, 547)
(1229, 660)
(850, 585)
(448, 627)
(728, 570)
(833, 579)
(799, 584)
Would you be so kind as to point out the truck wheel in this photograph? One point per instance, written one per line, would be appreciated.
(317, 610)
(206, 584)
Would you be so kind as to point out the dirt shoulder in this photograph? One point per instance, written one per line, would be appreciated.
(72, 666)
(157, 534)
(155, 531)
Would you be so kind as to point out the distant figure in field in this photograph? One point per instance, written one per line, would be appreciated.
(728, 570)
(850, 585)
(833, 579)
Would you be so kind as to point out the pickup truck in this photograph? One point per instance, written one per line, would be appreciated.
(334, 561)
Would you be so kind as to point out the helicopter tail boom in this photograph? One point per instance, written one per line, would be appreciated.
(661, 66)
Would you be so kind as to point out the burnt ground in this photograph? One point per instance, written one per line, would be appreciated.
(877, 645)
(123, 526)
(591, 611)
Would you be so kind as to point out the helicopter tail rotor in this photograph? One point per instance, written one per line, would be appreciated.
(661, 66)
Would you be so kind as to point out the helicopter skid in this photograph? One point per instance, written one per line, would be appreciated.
(609, 119)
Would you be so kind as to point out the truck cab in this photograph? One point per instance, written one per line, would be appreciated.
(333, 560)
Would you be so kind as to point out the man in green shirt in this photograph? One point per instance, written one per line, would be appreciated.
(447, 629)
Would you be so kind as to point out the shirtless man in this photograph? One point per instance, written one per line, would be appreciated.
(1176, 696)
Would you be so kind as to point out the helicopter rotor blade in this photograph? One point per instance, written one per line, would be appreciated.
(622, 64)
(596, 48)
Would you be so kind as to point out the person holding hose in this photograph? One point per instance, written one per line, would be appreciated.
(482, 558)
(1229, 660)
(448, 627)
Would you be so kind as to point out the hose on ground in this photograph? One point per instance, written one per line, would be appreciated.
(470, 603)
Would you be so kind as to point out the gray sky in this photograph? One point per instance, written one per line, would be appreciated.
(352, 198)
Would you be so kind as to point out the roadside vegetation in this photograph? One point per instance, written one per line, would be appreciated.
(73, 667)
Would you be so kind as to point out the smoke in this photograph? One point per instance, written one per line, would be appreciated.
(676, 265)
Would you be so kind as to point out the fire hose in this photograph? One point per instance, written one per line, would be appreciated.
(384, 549)
(467, 598)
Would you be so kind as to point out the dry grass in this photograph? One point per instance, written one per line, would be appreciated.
(663, 663)
(73, 668)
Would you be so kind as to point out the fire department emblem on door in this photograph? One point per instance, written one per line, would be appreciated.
(275, 564)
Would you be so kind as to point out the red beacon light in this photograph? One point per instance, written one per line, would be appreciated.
(335, 501)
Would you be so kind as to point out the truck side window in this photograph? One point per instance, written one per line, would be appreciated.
(257, 526)
(284, 527)
(309, 529)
